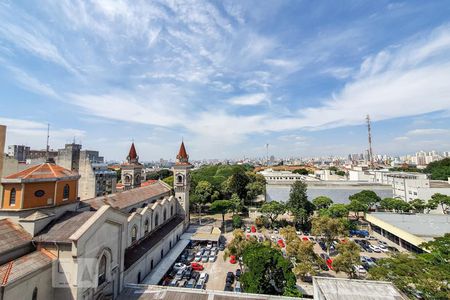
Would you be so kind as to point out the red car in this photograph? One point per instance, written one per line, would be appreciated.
(280, 243)
(305, 238)
(253, 228)
(330, 264)
(232, 259)
(196, 266)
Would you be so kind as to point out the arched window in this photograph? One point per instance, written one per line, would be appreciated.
(66, 192)
(146, 226)
(133, 234)
(102, 270)
(12, 197)
(164, 215)
(151, 265)
(179, 179)
(170, 245)
(35, 291)
(171, 210)
(156, 220)
(139, 277)
(138, 179)
(162, 253)
(127, 178)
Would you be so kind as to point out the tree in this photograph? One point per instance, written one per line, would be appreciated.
(301, 171)
(439, 170)
(368, 198)
(267, 271)
(341, 173)
(237, 183)
(222, 206)
(261, 221)
(272, 210)
(237, 204)
(431, 205)
(348, 257)
(357, 206)
(298, 203)
(338, 210)
(237, 221)
(442, 200)
(202, 194)
(289, 233)
(168, 180)
(255, 189)
(418, 205)
(322, 202)
(329, 228)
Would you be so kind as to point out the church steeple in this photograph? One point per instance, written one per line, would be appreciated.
(132, 170)
(132, 155)
(182, 157)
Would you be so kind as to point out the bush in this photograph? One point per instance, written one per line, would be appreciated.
(237, 221)
(261, 221)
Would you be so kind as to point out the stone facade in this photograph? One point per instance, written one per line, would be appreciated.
(132, 170)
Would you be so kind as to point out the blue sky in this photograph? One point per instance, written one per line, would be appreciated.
(228, 76)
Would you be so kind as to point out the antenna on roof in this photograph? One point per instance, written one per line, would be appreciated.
(47, 148)
(369, 133)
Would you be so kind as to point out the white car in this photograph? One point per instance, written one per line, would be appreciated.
(200, 284)
(275, 230)
(248, 230)
(383, 248)
(214, 250)
(179, 266)
(203, 276)
(375, 248)
(198, 257)
(209, 246)
(298, 232)
(359, 269)
(205, 258)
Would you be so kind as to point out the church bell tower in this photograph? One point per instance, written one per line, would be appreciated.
(132, 170)
(182, 182)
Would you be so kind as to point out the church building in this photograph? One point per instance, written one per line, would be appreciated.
(54, 246)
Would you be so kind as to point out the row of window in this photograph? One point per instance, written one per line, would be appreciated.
(134, 229)
(38, 193)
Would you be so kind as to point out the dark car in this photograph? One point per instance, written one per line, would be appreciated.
(221, 247)
(195, 275)
(228, 287)
(238, 273)
(190, 284)
(230, 277)
(188, 273)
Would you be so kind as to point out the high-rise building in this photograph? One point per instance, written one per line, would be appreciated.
(19, 152)
(69, 157)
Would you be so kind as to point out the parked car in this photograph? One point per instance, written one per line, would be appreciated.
(190, 284)
(212, 258)
(359, 269)
(200, 284)
(238, 273)
(237, 287)
(275, 230)
(248, 230)
(383, 248)
(179, 266)
(228, 287)
(179, 274)
(371, 237)
(214, 250)
(204, 276)
(174, 282)
(232, 259)
(298, 232)
(392, 249)
(197, 266)
(367, 260)
(230, 277)
(305, 238)
(260, 238)
(195, 275)
(375, 248)
(207, 252)
(190, 257)
(253, 229)
(280, 243)
(188, 273)
(205, 258)
(221, 247)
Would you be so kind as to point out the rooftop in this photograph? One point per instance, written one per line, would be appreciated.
(348, 289)
(12, 236)
(42, 172)
(132, 254)
(61, 229)
(130, 197)
(23, 266)
(426, 226)
(439, 184)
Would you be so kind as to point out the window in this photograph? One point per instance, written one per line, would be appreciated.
(66, 192)
(39, 193)
(171, 210)
(180, 179)
(35, 291)
(12, 197)
(133, 234)
(162, 253)
(146, 227)
(164, 215)
(156, 220)
(127, 178)
(102, 270)
(139, 277)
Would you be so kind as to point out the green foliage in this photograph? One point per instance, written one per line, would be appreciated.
(439, 170)
(161, 174)
(347, 258)
(333, 168)
(340, 173)
(237, 221)
(222, 207)
(169, 180)
(322, 202)
(254, 189)
(298, 203)
(357, 206)
(395, 204)
(267, 271)
(119, 175)
(338, 210)
(442, 200)
(261, 221)
(329, 228)
(237, 183)
(366, 197)
(204, 191)
(418, 205)
(272, 210)
(237, 204)
(301, 171)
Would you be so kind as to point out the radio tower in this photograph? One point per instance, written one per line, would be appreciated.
(370, 142)
(47, 148)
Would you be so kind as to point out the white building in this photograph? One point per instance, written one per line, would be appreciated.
(284, 177)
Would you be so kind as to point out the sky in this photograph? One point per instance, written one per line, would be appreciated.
(227, 77)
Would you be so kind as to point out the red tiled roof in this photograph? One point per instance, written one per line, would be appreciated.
(12, 235)
(130, 197)
(148, 182)
(43, 171)
(132, 155)
(182, 153)
(23, 266)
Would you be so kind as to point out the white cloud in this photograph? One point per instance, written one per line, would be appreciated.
(250, 99)
(32, 84)
(428, 131)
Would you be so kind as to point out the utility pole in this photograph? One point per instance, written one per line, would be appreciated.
(370, 142)
(47, 148)
(267, 154)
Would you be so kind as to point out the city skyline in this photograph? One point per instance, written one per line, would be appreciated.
(228, 78)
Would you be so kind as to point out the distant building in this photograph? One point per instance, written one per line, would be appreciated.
(284, 177)
(132, 170)
(19, 152)
(36, 155)
(69, 157)
(96, 179)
